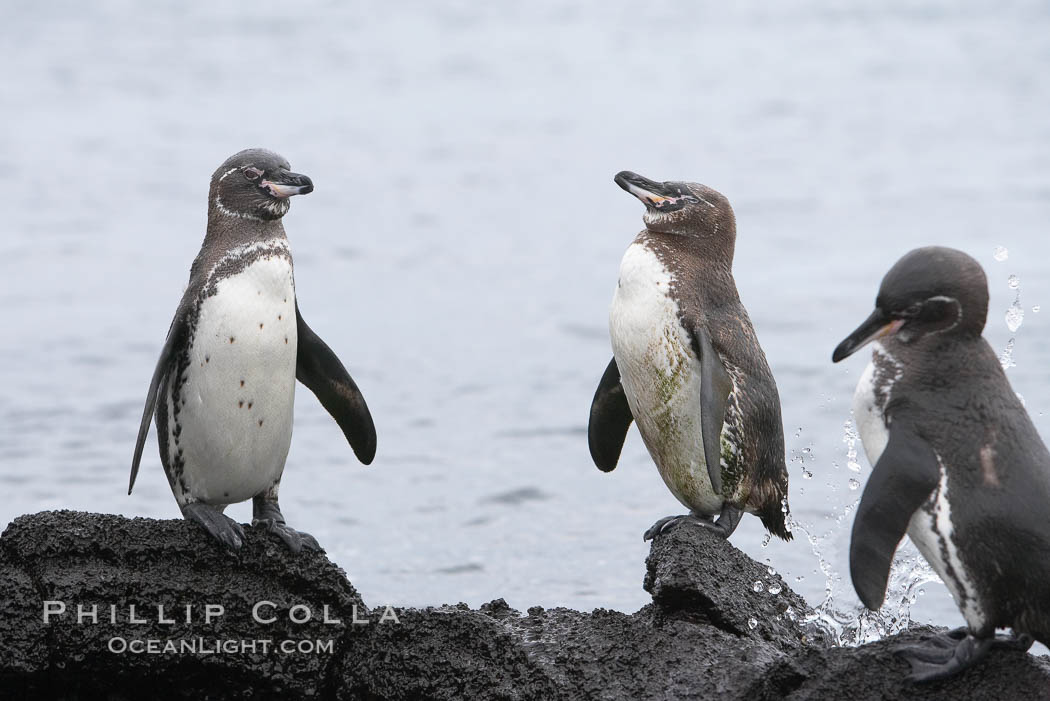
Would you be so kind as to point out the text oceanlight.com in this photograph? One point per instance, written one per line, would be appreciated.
(204, 646)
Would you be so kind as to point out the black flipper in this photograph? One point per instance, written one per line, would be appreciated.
(318, 368)
(176, 337)
(902, 479)
(610, 419)
(715, 386)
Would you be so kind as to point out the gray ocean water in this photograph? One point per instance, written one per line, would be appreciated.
(461, 248)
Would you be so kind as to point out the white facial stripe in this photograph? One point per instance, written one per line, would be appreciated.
(230, 213)
(958, 309)
(227, 173)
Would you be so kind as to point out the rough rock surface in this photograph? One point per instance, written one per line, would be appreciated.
(707, 634)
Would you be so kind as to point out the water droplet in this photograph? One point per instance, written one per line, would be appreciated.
(1007, 357)
(799, 578)
(1035, 309)
(1015, 315)
(853, 483)
(1000, 254)
(850, 439)
(770, 570)
(1013, 281)
(757, 586)
(775, 588)
(752, 623)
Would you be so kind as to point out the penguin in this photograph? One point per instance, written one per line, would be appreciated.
(687, 366)
(957, 463)
(224, 386)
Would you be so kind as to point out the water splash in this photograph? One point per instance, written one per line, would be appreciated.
(840, 617)
(1000, 254)
(758, 586)
(843, 620)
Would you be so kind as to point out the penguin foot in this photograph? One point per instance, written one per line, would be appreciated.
(268, 516)
(1018, 642)
(221, 527)
(726, 522)
(945, 655)
(668, 522)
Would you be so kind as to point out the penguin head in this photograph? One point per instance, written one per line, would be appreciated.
(932, 290)
(255, 184)
(686, 209)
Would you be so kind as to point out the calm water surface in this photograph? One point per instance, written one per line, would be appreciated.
(461, 247)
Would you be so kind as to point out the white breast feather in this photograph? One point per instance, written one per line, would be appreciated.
(240, 385)
(661, 377)
(867, 412)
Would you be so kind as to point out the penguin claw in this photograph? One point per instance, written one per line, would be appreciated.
(943, 656)
(269, 517)
(221, 527)
(668, 522)
(295, 540)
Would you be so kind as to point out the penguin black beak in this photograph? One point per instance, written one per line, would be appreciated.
(286, 183)
(878, 325)
(664, 197)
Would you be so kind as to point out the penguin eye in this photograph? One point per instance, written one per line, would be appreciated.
(252, 173)
(912, 310)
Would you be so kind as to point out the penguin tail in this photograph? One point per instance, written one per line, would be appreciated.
(774, 518)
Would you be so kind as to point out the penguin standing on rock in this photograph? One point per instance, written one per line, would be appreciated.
(687, 366)
(957, 463)
(224, 385)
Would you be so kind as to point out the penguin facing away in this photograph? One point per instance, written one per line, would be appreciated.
(224, 386)
(957, 463)
(687, 366)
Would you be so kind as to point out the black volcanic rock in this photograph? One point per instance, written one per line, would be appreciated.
(707, 634)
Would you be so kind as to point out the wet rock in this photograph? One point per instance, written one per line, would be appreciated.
(109, 564)
(696, 575)
(694, 641)
(874, 672)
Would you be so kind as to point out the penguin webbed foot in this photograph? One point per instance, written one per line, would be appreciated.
(723, 526)
(947, 654)
(267, 515)
(220, 526)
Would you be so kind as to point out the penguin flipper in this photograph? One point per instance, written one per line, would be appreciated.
(903, 478)
(715, 387)
(317, 367)
(176, 333)
(610, 418)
